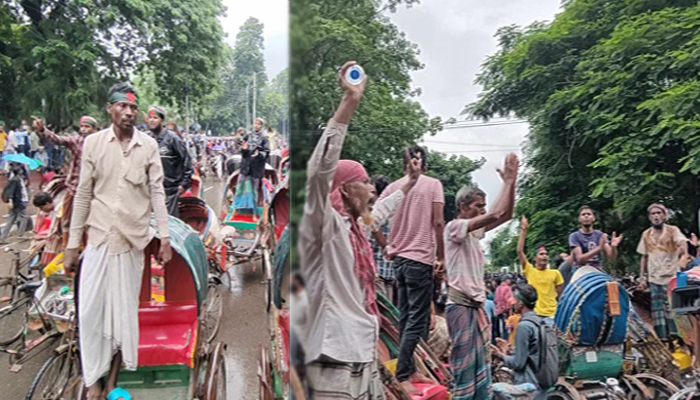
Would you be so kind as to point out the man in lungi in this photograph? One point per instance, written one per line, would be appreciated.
(662, 248)
(255, 150)
(177, 164)
(121, 181)
(74, 144)
(336, 261)
(466, 318)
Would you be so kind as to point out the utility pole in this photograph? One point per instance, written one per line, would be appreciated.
(247, 116)
(255, 96)
(187, 107)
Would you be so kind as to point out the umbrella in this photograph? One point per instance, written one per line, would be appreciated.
(22, 159)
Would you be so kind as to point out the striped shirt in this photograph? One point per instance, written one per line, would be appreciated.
(385, 269)
(412, 232)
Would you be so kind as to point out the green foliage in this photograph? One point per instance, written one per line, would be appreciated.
(503, 247)
(61, 57)
(454, 172)
(610, 90)
(323, 36)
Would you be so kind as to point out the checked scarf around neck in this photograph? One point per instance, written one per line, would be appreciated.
(348, 172)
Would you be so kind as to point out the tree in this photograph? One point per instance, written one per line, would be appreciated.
(324, 35)
(502, 247)
(242, 62)
(454, 172)
(609, 89)
(65, 55)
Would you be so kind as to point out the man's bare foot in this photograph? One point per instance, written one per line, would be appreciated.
(409, 388)
(419, 378)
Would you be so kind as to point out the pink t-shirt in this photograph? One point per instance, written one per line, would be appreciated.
(412, 231)
(464, 259)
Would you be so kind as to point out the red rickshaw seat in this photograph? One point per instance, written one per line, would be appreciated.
(167, 334)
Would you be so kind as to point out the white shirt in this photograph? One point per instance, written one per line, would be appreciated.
(464, 259)
(339, 326)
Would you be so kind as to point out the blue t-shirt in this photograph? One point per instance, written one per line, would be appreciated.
(586, 242)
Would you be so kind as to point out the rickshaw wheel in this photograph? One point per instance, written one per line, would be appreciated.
(215, 384)
(213, 311)
(265, 376)
(661, 389)
(267, 275)
(58, 374)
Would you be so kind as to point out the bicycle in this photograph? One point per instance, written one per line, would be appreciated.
(60, 376)
(13, 294)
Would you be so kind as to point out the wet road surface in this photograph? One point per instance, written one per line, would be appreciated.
(245, 324)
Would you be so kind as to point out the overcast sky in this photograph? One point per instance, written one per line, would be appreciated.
(274, 14)
(455, 37)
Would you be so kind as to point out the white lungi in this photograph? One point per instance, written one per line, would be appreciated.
(110, 285)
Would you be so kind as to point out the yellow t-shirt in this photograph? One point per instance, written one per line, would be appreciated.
(545, 282)
(3, 139)
(512, 322)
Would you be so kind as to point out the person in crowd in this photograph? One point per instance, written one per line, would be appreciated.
(336, 260)
(417, 249)
(528, 342)
(177, 165)
(548, 282)
(385, 279)
(502, 300)
(466, 318)
(34, 144)
(439, 337)
(22, 137)
(15, 193)
(255, 150)
(512, 322)
(563, 263)
(490, 309)
(74, 144)
(44, 217)
(3, 145)
(121, 182)
(662, 248)
(588, 244)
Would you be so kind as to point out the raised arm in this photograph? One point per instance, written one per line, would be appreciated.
(521, 241)
(502, 210)
(324, 161)
(49, 136)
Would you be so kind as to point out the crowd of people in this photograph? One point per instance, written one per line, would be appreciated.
(361, 236)
(115, 177)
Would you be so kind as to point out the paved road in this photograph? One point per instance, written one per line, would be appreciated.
(244, 326)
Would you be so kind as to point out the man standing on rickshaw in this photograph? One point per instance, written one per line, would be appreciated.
(74, 144)
(177, 165)
(662, 248)
(255, 149)
(121, 181)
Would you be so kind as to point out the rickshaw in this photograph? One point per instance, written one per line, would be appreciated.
(274, 369)
(174, 362)
(199, 216)
(598, 328)
(250, 239)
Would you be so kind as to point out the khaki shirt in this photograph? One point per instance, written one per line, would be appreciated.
(117, 191)
(662, 253)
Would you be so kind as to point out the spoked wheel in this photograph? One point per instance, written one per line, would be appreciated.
(563, 390)
(660, 388)
(215, 384)
(267, 275)
(265, 376)
(11, 315)
(59, 378)
(213, 311)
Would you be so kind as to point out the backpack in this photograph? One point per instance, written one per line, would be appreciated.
(547, 372)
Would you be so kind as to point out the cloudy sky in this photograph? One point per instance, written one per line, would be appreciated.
(274, 14)
(455, 37)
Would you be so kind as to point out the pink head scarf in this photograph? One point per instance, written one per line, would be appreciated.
(349, 172)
